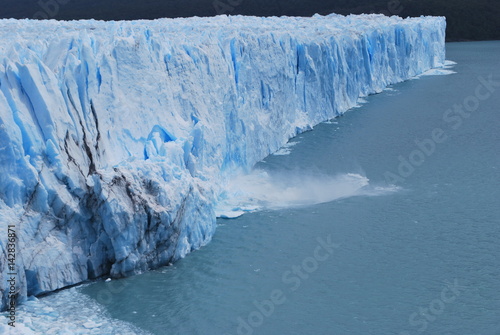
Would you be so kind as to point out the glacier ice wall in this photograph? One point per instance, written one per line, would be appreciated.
(116, 136)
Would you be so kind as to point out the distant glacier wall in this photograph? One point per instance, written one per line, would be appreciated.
(116, 136)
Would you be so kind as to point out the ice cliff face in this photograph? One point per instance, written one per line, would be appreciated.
(116, 136)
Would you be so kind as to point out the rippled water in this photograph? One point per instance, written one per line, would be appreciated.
(422, 258)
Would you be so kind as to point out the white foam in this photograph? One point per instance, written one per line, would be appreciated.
(449, 64)
(286, 149)
(67, 312)
(441, 71)
(260, 190)
(437, 72)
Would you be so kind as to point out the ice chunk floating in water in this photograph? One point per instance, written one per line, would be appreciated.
(115, 137)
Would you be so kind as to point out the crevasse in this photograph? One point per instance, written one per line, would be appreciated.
(115, 137)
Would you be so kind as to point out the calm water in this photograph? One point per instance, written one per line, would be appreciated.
(424, 259)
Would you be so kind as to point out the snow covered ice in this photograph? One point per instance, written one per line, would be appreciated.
(117, 138)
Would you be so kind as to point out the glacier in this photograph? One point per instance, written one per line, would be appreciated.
(117, 138)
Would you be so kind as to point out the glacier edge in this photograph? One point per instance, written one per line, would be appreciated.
(115, 137)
